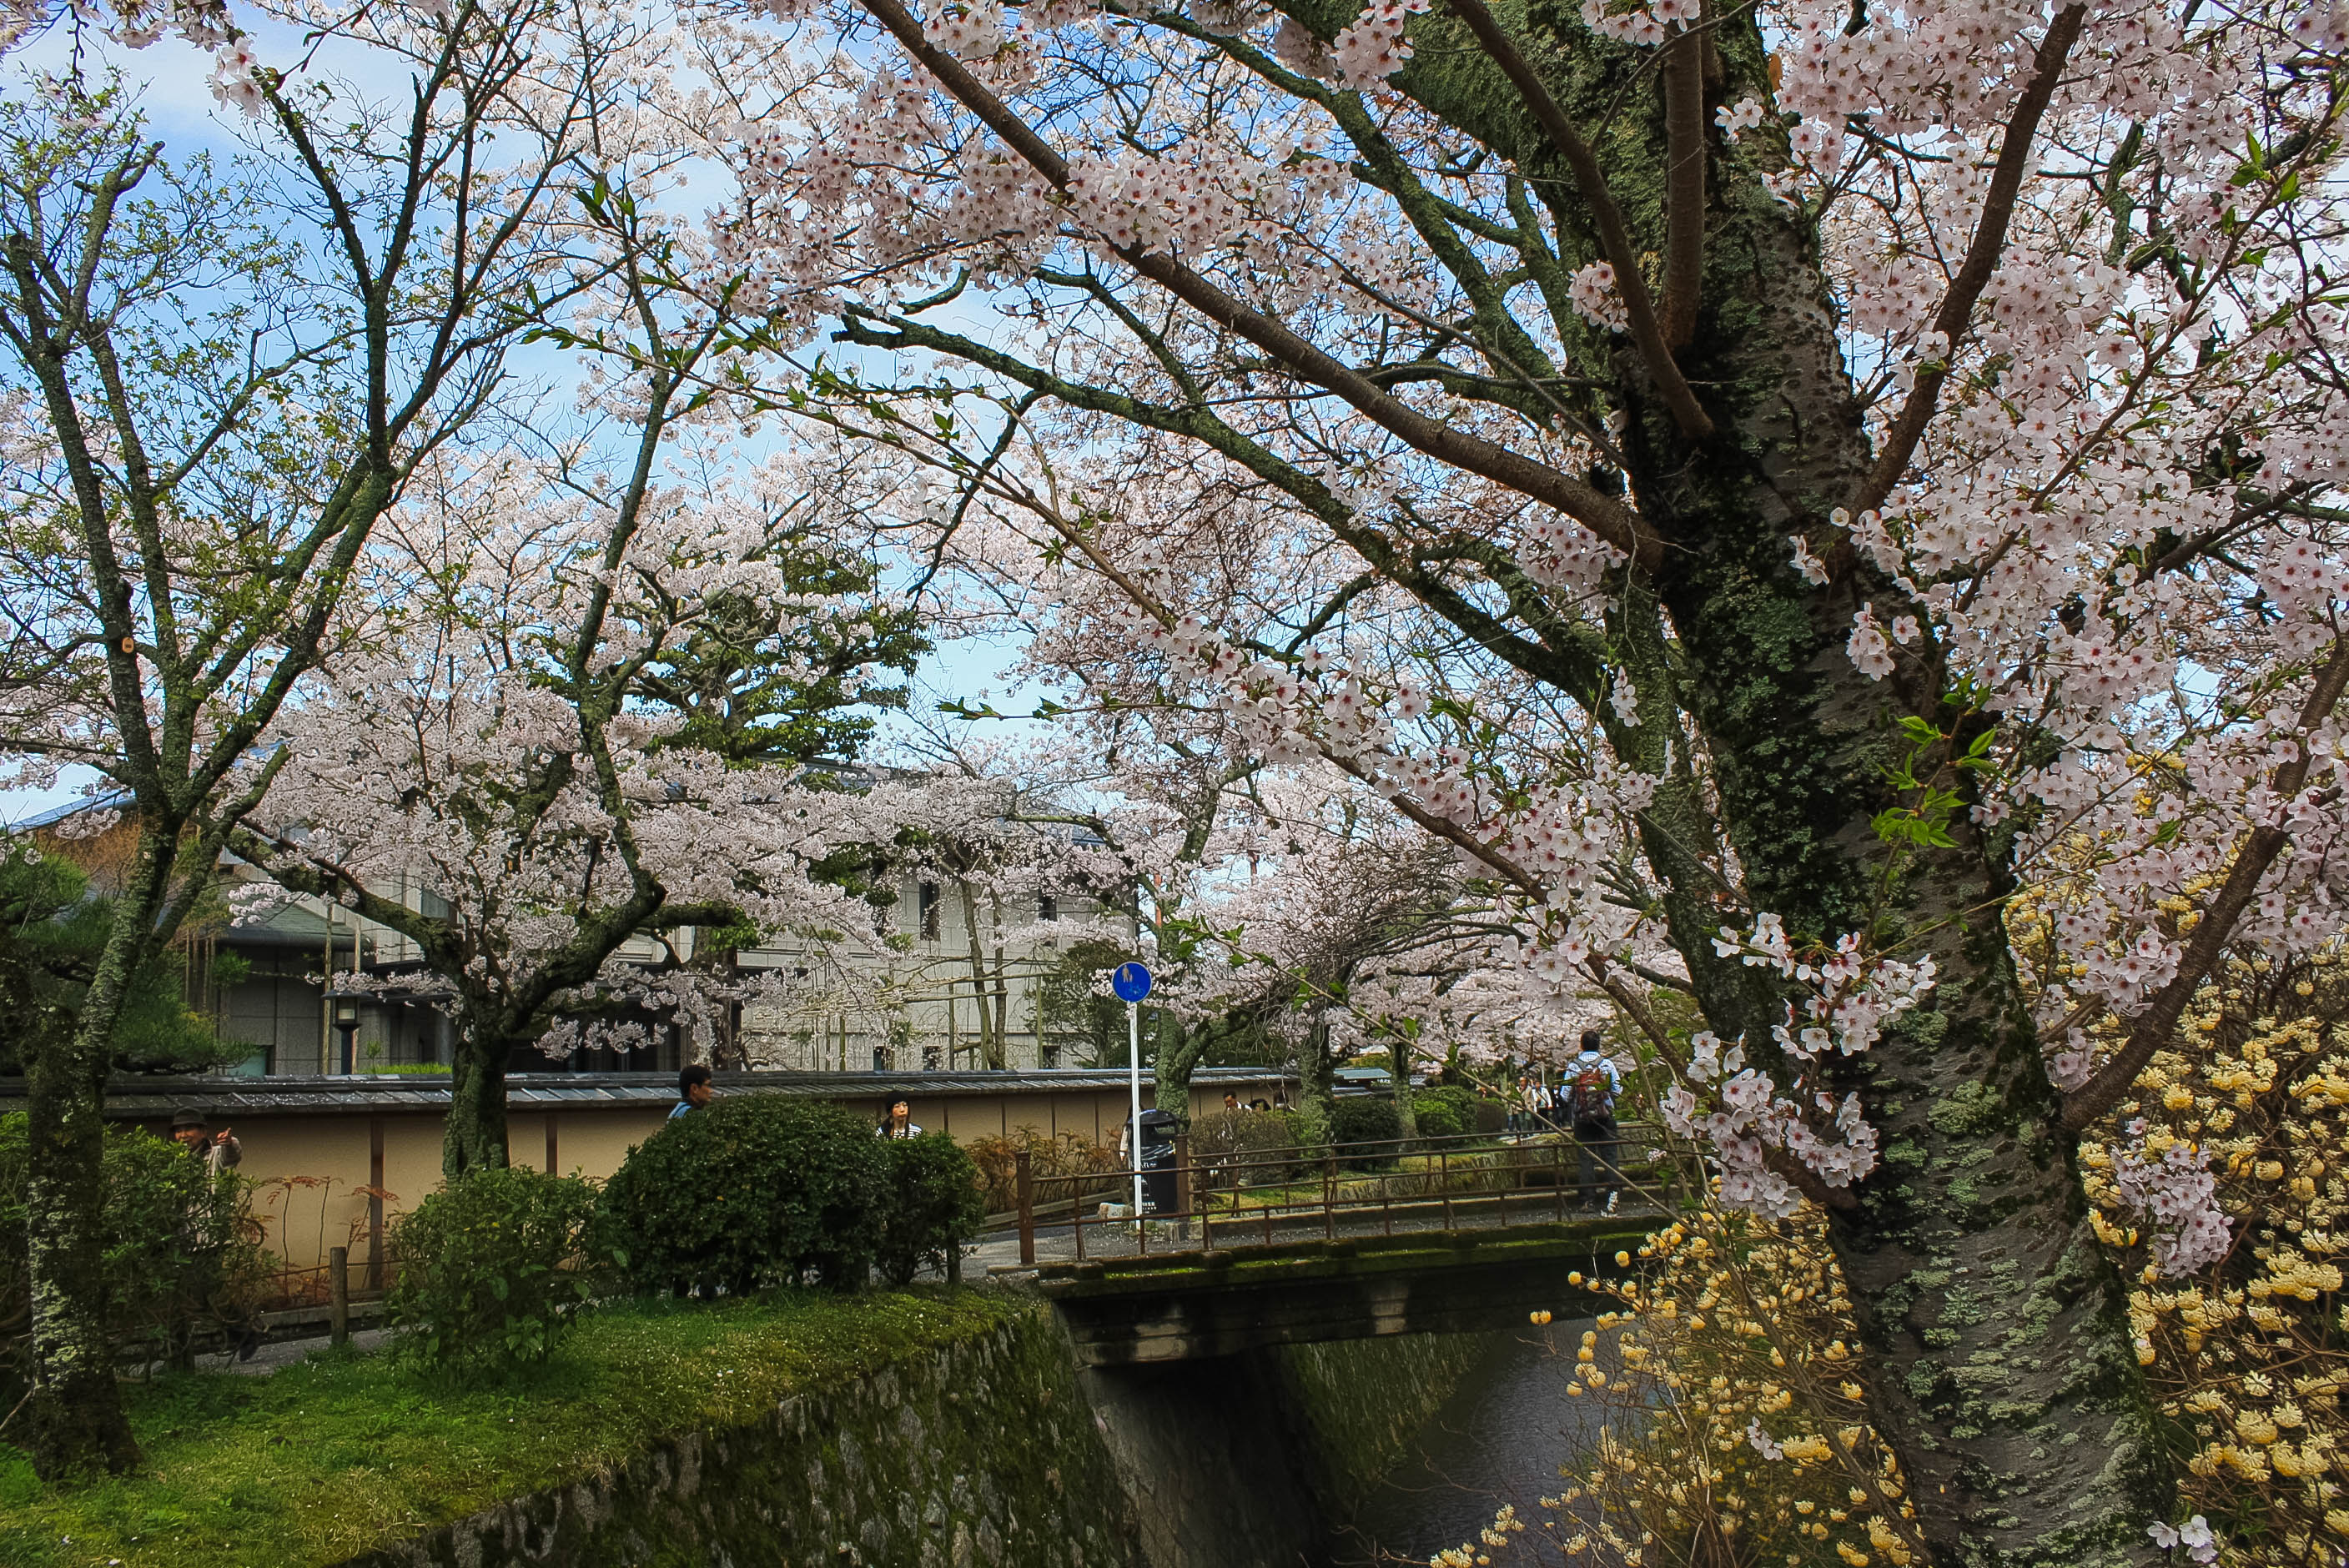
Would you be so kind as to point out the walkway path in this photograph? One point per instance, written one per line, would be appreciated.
(998, 1251)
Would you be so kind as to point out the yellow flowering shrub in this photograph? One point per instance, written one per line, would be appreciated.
(1736, 1433)
(2250, 1360)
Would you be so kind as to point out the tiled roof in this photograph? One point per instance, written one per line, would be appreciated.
(224, 1099)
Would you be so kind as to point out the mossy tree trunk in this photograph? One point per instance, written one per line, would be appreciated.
(474, 1138)
(2002, 1367)
(2002, 1362)
(75, 1419)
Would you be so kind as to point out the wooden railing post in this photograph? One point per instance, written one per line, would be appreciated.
(1023, 1168)
(338, 1296)
(1330, 1197)
(374, 1196)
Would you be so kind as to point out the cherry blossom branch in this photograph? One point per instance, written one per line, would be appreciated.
(1684, 162)
(1443, 827)
(325, 879)
(2151, 1028)
(1572, 667)
(1613, 237)
(1805, 1180)
(1956, 314)
(1604, 515)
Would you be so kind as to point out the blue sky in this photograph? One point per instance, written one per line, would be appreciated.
(172, 82)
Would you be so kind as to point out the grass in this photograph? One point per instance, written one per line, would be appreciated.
(345, 1453)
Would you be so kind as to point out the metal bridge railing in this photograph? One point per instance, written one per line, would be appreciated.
(1249, 1197)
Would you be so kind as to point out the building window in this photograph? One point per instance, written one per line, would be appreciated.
(1048, 907)
(1048, 1053)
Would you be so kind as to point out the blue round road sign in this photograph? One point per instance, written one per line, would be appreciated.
(1131, 982)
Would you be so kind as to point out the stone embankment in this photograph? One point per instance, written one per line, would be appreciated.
(998, 1452)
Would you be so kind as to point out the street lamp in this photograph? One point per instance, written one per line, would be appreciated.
(346, 1021)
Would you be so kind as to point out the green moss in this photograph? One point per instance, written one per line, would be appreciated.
(1360, 1401)
(341, 1454)
(1969, 1109)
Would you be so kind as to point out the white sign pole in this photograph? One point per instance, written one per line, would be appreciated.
(1134, 1088)
(1132, 984)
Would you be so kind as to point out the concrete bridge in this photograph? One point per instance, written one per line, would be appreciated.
(1187, 1306)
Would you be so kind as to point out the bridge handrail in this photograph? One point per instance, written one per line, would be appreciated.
(1473, 1174)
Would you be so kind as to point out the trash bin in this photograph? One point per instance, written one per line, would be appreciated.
(1158, 1129)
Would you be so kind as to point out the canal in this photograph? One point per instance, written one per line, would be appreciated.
(1501, 1438)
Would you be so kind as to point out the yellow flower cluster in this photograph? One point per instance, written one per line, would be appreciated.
(1736, 1435)
(2250, 1360)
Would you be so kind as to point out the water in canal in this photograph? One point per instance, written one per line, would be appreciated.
(1501, 1438)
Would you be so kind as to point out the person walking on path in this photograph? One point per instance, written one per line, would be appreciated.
(693, 1090)
(1591, 1085)
(899, 1122)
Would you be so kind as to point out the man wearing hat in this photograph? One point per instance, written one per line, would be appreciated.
(218, 1152)
(219, 1149)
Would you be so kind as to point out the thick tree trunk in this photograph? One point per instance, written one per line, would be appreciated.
(1315, 1075)
(1399, 1073)
(475, 1137)
(2003, 1372)
(1180, 1051)
(73, 1416)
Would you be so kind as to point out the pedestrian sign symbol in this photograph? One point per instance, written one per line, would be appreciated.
(1131, 982)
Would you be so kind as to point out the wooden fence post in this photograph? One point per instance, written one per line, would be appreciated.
(339, 1294)
(1023, 1168)
(375, 1198)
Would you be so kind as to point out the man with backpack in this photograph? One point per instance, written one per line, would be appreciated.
(1586, 1102)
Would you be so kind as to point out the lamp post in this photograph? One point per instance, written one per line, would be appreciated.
(346, 1024)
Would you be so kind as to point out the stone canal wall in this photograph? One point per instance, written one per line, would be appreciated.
(981, 1456)
(1247, 1460)
(998, 1453)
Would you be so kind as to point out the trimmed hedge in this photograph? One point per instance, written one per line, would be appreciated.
(178, 1252)
(1355, 1121)
(933, 1207)
(1448, 1111)
(1253, 1140)
(491, 1273)
(754, 1191)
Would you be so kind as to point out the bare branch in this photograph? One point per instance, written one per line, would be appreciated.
(1603, 514)
(1616, 240)
(1684, 160)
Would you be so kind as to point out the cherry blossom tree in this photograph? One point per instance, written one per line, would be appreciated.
(217, 379)
(1813, 470)
(492, 732)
